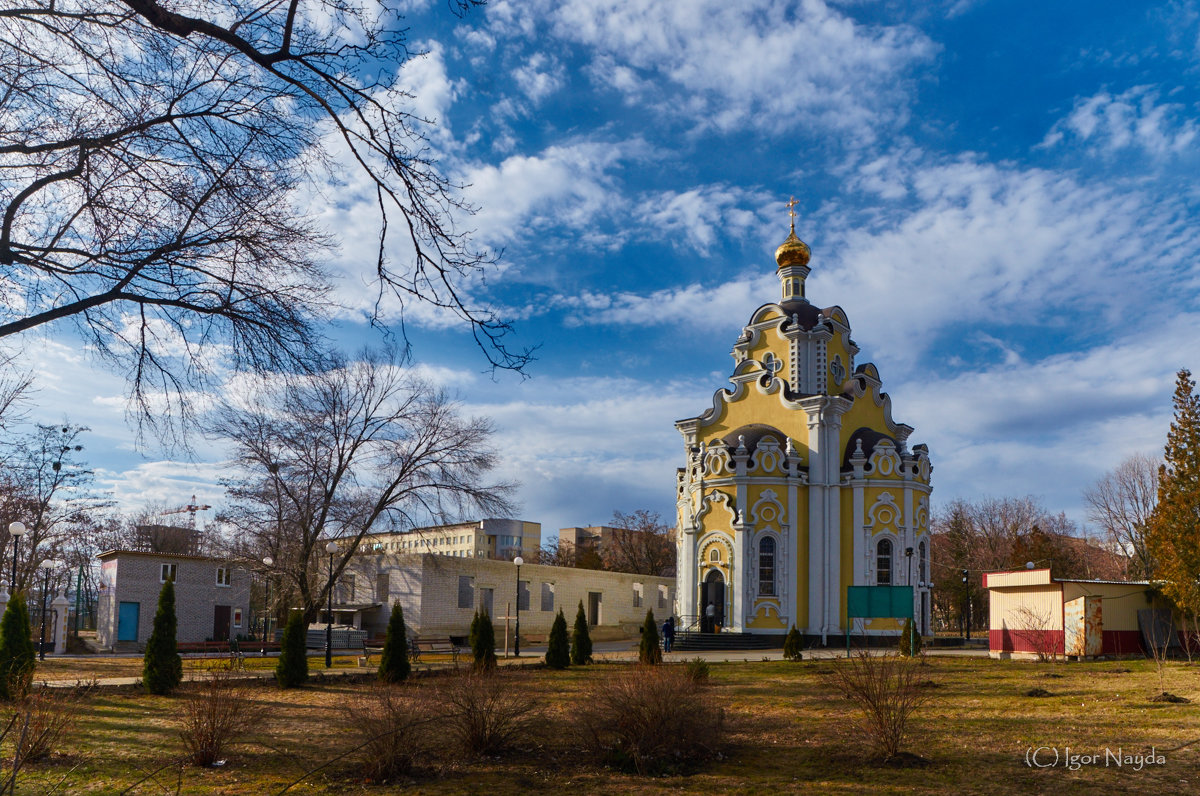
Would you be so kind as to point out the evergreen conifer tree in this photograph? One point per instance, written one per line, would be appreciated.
(558, 647)
(910, 640)
(483, 643)
(292, 669)
(581, 640)
(792, 645)
(649, 651)
(16, 649)
(394, 666)
(1173, 532)
(162, 668)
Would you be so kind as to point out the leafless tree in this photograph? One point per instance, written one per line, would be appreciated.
(47, 487)
(1121, 503)
(640, 543)
(154, 162)
(360, 447)
(556, 553)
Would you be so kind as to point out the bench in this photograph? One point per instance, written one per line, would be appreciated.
(224, 647)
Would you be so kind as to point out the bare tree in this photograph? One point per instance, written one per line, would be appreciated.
(1121, 503)
(360, 447)
(641, 543)
(48, 488)
(556, 553)
(154, 158)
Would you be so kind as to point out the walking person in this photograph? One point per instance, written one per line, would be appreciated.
(710, 617)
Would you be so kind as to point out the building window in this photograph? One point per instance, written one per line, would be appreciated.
(224, 578)
(466, 595)
(921, 564)
(766, 566)
(883, 562)
(168, 573)
(237, 617)
(714, 555)
(663, 596)
(547, 596)
(637, 595)
(523, 595)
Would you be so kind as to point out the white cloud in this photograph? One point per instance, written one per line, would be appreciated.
(692, 307)
(756, 63)
(1003, 247)
(539, 77)
(1133, 119)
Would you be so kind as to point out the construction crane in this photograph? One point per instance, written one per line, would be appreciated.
(190, 509)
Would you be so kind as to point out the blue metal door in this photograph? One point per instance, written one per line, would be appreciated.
(127, 621)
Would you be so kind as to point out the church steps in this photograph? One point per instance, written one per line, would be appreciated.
(686, 641)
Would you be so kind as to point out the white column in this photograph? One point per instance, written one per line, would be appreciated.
(59, 605)
(817, 530)
(833, 523)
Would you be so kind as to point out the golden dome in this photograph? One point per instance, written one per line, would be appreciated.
(792, 251)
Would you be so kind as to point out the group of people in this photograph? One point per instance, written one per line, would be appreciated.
(708, 624)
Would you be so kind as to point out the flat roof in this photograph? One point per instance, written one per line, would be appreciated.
(111, 553)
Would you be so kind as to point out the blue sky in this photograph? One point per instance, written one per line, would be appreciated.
(1001, 196)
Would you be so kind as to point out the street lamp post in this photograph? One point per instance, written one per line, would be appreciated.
(16, 530)
(267, 562)
(517, 643)
(46, 567)
(330, 548)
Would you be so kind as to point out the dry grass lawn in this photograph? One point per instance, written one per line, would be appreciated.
(787, 733)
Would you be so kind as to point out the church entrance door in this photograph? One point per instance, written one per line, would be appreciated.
(712, 592)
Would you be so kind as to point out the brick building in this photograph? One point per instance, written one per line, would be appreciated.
(212, 597)
(440, 594)
(490, 538)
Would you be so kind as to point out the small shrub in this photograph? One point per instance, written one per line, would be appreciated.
(390, 728)
(394, 666)
(16, 650)
(487, 713)
(651, 719)
(483, 643)
(292, 669)
(162, 668)
(44, 716)
(649, 651)
(215, 715)
(558, 647)
(581, 639)
(698, 670)
(887, 690)
(910, 640)
(793, 645)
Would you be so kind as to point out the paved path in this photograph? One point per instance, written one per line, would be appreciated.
(603, 651)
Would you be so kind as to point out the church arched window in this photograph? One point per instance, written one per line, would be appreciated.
(714, 556)
(921, 565)
(883, 562)
(766, 566)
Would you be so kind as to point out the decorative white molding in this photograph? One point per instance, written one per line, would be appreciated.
(712, 500)
(767, 455)
(884, 512)
(767, 509)
(885, 460)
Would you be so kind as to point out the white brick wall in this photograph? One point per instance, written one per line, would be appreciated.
(426, 586)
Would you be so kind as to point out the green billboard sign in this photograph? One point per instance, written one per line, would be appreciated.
(872, 602)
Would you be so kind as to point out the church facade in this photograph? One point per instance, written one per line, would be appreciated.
(798, 482)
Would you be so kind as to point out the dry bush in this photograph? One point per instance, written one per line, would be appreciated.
(390, 726)
(215, 714)
(43, 717)
(1034, 630)
(488, 713)
(887, 689)
(650, 719)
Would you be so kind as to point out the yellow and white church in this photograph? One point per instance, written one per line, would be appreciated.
(798, 481)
